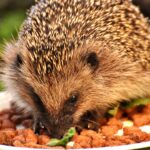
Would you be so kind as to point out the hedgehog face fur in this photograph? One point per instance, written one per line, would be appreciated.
(75, 58)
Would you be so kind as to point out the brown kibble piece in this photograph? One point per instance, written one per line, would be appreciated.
(30, 136)
(118, 140)
(109, 130)
(131, 130)
(124, 139)
(83, 141)
(20, 138)
(96, 139)
(18, 144)
(115, 122)
(112, 142)
(89, 133)
(43, 139)
(141, 119)
(146, 109)
(136, 134)
(6, 136)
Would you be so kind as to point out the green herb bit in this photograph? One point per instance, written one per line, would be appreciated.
(136, 102)
(62, 142)
(113, 111)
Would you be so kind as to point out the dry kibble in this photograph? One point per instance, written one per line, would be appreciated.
(141, 119)
(115, 122)
(106, 135)
(98, 141)
(136, 134)
(146, 110)
(112, 142)
(6, 136)
(18, 144)
(109, 130)
(124, 139)
(89, 133)
(20, 137)
(83, 141)
(43, 139)
(30, 136)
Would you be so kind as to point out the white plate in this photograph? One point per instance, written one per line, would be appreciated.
(5, 99)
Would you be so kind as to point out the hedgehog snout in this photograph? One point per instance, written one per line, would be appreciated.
(55, 126)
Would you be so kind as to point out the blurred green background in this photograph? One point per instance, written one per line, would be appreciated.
(13, 12)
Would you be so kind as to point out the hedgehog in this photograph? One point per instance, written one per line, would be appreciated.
(74, 59)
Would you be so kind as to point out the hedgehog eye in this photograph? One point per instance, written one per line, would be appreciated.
(73, 99)
(92, 60)
(18, 61)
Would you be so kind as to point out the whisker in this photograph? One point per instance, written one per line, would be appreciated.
(91, 121)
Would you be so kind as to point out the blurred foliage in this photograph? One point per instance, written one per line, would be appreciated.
(12, 14)
(9, 26)
(1, 86)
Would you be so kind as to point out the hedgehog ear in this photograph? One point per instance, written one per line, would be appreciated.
(18, 61)
(92, 60)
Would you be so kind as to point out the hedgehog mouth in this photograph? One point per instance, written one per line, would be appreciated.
(38, 126)
(41, 125)
(89, 121)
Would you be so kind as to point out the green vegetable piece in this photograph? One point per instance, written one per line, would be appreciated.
(113, 111)
(62, 142)
(54, 142)
(136, 102)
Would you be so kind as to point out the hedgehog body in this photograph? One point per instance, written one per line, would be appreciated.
(76, 58)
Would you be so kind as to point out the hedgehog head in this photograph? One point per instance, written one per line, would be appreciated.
(76, 93)
(66, 96)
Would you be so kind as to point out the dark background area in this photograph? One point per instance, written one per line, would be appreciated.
(13, 12)
(144, 6)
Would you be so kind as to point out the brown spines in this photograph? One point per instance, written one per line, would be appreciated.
(55, 28)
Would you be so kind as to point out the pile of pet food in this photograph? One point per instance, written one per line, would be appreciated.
(127, 123)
